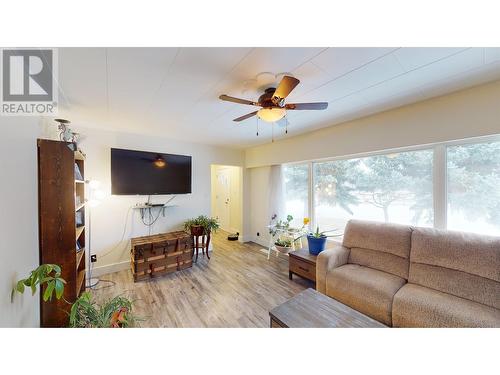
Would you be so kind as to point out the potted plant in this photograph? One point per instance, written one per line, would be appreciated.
(201, 226)
(84, 313)
(283, 245)
(316, 241)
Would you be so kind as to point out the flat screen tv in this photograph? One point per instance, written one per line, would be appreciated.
(149, 173)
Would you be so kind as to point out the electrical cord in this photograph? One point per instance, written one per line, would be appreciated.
(122, 238)
(149, 224)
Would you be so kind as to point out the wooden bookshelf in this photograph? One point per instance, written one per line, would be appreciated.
(61, 197)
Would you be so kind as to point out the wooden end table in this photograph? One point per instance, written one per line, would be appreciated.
(302, 263)
(311, 309)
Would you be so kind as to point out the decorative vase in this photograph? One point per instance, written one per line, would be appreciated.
(316, 245)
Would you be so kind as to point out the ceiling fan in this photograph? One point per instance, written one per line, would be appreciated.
(273, 102)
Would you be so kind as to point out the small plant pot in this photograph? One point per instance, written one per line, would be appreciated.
(197, 230)
(283, 249)
(316, 245)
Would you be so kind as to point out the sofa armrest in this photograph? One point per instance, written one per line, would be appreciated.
(327, 260)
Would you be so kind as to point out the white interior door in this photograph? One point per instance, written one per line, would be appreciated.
(222, 193)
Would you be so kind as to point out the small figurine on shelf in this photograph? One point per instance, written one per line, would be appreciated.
(66, 134)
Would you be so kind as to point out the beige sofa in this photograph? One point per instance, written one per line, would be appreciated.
(406, 276)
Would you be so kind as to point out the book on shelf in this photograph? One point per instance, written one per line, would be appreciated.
(78, 174)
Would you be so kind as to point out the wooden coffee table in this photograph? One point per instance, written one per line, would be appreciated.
(311, 309)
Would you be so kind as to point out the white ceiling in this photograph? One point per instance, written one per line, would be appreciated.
(174, 92)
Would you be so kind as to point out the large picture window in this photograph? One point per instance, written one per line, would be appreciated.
(460, 192)
(395, 188)
(474, 187)
(296, 185)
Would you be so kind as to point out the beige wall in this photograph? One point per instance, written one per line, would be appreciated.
(468, 113)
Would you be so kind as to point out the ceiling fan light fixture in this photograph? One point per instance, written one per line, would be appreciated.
(159, 162)
(271, 114)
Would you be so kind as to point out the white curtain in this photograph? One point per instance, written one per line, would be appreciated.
(276, 193)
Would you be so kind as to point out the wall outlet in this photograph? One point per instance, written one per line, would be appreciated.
(93, 258)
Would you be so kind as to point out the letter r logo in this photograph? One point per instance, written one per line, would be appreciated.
(27, 75)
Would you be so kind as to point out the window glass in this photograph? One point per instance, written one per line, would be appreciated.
(395, 188)
(296, 178)
(473, 173)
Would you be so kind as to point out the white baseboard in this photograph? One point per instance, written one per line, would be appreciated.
(246, 238)
(260, 241)
(110, 268)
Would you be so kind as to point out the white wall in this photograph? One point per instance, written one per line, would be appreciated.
(259, 202)
(18, 217)
(110, 222)
(468, 113)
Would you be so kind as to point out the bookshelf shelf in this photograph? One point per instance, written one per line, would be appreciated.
(79, 231)
(79, 256)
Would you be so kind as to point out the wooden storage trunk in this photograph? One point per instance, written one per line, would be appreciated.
(160, 254)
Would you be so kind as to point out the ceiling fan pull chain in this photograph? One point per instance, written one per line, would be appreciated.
(257, 126)
(286, 124)
(272, 132)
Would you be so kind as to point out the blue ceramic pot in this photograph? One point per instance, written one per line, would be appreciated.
(316, 245)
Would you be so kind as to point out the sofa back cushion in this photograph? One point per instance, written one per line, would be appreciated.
(385, 247)
(462, 264)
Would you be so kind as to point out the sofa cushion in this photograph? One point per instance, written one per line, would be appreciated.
(462, 264)
(380, 261)
(457, 283)
(388, 238)
(417, 306)
(365, 289)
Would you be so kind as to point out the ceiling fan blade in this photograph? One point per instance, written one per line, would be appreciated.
(228, 98)
(301, 106)
(285, 87)
(245, 116)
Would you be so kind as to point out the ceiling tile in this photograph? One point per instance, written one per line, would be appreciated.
(491, 55)
(415, 57)
(135, 76)
(446, 68)
(339, 61)
(377, 71)
(82, 77)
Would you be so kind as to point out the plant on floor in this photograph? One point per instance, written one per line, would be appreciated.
(209, 224)
(114, 313)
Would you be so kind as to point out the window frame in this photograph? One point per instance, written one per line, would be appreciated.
(439, 172)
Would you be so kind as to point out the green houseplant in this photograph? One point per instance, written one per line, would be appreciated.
(207, 225)
(85, 312)
(283, 244)
(316, 241)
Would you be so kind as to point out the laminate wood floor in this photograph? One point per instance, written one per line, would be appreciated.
(235, 288)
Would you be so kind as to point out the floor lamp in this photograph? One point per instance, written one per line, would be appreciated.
(95, 198)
